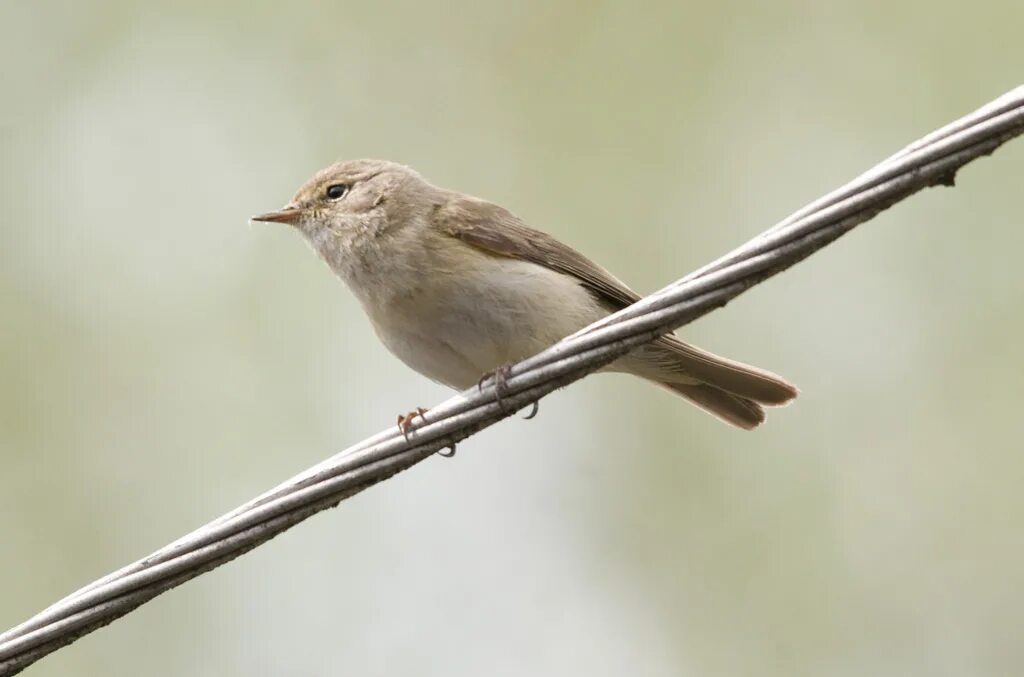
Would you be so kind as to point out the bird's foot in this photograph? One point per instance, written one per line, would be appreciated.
(405, 422)
(500, 378)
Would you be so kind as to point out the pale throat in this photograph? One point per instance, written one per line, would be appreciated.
(355, 252)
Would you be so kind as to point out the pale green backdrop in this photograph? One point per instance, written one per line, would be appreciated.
(161, 361)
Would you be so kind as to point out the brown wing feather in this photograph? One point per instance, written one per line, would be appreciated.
(494, 229)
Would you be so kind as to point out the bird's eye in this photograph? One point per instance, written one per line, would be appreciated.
(337, 191)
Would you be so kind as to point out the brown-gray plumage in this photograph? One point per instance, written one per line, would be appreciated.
(729, 389)
(457, 286)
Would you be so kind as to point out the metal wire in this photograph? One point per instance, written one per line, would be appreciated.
(932, 160)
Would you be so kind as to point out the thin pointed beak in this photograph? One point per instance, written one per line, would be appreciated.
(289, 215)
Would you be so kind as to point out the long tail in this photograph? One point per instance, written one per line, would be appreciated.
(732, 391)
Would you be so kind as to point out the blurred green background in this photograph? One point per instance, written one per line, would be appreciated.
(161, 361)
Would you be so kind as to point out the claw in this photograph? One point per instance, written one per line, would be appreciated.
(449, 453)
(500, 376)
(405, 421)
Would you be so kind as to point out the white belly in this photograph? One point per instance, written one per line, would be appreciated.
(460, 326)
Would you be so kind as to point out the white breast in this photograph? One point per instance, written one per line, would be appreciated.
(457, 326)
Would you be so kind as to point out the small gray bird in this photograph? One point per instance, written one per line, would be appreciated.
(458, 287)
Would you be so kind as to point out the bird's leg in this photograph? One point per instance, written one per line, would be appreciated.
(405, 422)
(500, 377)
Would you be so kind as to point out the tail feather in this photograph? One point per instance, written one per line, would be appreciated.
(730, 390)
(680, 362)
(732, 409)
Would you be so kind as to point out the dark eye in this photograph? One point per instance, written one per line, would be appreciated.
(337, 191)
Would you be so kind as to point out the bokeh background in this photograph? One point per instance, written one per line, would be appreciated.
(161, 361)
